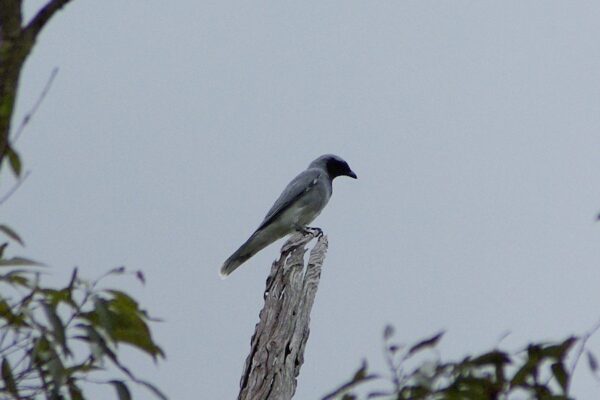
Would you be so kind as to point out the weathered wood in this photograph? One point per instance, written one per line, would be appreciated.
(277, 346)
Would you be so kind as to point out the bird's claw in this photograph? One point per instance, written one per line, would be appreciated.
(318, 231)
(307, 230)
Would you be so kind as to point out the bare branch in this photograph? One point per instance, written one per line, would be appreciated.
(278, 343)
(584, 340)
(43, 16)
(36, 105)
(14, 188)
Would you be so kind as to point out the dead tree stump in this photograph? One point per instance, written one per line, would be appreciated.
(277, 346)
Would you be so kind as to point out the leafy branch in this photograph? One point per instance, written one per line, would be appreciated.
(417, 372)
(54, 340)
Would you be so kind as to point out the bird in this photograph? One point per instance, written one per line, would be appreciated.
(299, 204)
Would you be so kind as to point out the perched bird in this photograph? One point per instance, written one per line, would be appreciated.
(301, 201)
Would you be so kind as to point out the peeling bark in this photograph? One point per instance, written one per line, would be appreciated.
(279, 340)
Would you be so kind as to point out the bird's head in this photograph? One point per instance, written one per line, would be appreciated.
(334, 165)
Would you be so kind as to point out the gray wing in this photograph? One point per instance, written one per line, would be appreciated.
(294, 190)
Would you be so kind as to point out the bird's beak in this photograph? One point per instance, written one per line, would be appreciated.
(351, 174)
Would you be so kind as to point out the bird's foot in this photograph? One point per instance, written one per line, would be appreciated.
(317, 232)
(308, 230)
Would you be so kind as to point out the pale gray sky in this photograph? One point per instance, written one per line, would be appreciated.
(474, 128)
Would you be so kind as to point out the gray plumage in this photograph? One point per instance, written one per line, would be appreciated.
(300, 203)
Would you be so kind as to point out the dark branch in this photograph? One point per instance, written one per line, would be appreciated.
(35, 107)
(12, 190)
(10, 18)
(584, 340)
(43, 16)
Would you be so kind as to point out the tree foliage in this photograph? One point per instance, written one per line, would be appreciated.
(54, 339)
(538, 371)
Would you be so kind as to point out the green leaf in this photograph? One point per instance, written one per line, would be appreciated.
(15, 320)
(430, 342)
(16, 277)
(361, 373)
(495, 357)
(14, 160)
(73, 280)
(359, 377)
(124, 322)
(153, 389)
(55, 297)
(56, 368)
(375, 395)
(393, 348)
(471, 387)
(116, 271)
(122, 390)
(74, 391)
(9, 380)
(20, 261)
(534, 352)
(5, 309)
(8, 231)
(559, 351)
(140, 275)
(561, 375)
(58, 329)
(592, 361)
(85, 367)
(98, 346)
(123, 299)
(40, 351)
(388, 332)
(103, 314)
(525, 371)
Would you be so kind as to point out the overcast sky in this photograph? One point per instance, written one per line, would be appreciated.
(473, 126)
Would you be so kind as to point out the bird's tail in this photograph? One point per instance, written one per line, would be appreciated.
(253, 245)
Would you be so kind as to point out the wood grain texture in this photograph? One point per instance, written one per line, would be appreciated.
(279, 340)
